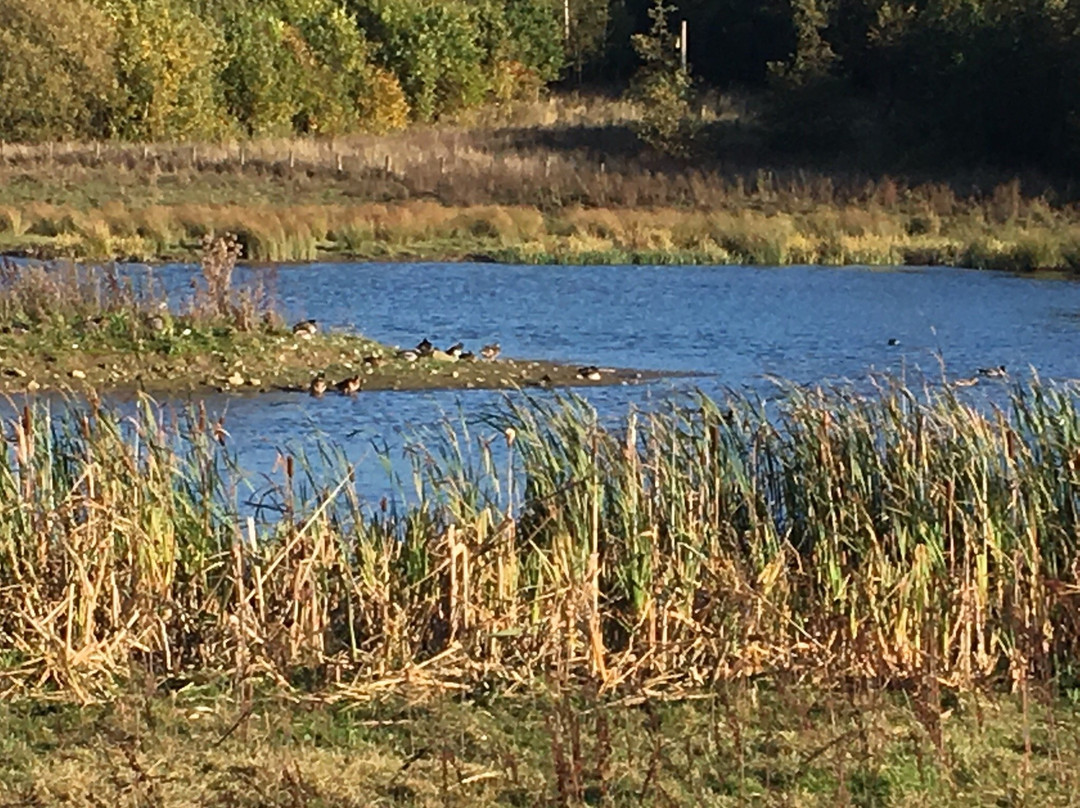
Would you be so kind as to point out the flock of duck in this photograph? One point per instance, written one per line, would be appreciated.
(996, 372)
(425, 349)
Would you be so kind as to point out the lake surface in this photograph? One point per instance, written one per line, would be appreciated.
(733, 325)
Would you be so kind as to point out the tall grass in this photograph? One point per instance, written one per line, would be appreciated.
(564, 180)
(58, 298)
(892, 538)
(573, 234)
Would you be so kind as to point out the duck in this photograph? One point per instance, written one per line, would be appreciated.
(893, 342)
(317, 386)
(408, 356)
(489, 352)
(456, 350)
(590, 372)
(994, 373)
(424, 347)
(349, 386)
(971, 381)
(156, 323)
(305, 329)
(467, 356)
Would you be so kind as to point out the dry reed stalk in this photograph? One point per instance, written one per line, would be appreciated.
(886, 539)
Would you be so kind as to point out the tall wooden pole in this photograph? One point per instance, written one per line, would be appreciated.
(682, 46)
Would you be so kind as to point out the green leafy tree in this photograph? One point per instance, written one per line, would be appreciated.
(167, 67)
(432, 47)
(662, 88)
(293, 65)
(57, 75)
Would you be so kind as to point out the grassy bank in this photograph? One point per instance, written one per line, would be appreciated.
(756, 743)
(85, 327)
(554, 182)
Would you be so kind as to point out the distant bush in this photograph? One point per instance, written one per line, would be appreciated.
(197, 69)
(662, 88)
(293, 66)
(54, 84)
(166, 66)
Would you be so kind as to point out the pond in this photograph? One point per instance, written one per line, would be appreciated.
(731, 326)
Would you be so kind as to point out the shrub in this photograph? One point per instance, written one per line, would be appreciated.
(57, 76)
(294, 66)
(166, 65)
(432, 47)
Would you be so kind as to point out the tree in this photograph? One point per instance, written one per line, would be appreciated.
(57, 76)
(662, 88)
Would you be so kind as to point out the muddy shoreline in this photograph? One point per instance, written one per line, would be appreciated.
(265, 363)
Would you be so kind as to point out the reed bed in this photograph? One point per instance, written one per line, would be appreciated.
(888, 539)
(427, 229)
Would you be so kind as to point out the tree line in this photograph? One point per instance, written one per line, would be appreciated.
(920, 80)
(907, 83)
(181, 69)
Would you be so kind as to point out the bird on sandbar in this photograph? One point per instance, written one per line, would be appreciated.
(590, 372)
(349, 386)
(305, 329)
(424, 347)
(467, 356)
(408, 356)
(489, 352)
(317, 386)
(994, 373)
(456, 350)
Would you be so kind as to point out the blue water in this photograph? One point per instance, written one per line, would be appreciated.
(734, 326)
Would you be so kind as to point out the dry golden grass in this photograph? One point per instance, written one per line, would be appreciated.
(560, 179)
(428, 229)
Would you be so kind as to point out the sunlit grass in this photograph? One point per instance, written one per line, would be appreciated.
(832, 536)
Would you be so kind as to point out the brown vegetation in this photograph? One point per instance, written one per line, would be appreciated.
(885, 540)
(566, 192)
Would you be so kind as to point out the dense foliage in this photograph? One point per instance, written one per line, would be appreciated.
(915, 83)
(182, 69)
(929, 82)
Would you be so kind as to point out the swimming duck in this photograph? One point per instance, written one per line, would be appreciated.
(893, 342)
(971, 381)
(317, 386)
(305, 329)
(489, 352)
(994, 373)
(424, 347)
(590, 372)
(349, 386)
(456, 350)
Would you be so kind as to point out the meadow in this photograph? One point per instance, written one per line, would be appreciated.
(563, 180)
